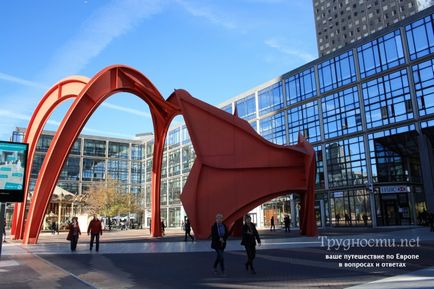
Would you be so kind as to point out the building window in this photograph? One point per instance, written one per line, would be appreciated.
(174, 163)
(390, 162)
(94, 148)
(319, 178)
(149, 149)
(75, 150)
(148, 170)
(386, 99)
(270, 98)
(336, 72)
(118, 150)
(341, 113)
(118, 170)
(246, 107)
(227, 108)
(137, 152)
(173, 139)
(301, 86)
(93, 169)
(423, 75)
(185, 136)
(346, 162)
(420, 37)
(137, 172)
(272, 128)
(188, 157)
(381, 54)
(44, 142)
(304, 119)
(174, 191)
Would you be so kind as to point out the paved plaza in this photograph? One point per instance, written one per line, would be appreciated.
(131, 259)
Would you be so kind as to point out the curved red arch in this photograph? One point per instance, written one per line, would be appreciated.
(66, 88)
(116, 78)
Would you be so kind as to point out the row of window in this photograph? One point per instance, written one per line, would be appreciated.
(393, 153)
(386, 99)
(374, 57)
(97, 148)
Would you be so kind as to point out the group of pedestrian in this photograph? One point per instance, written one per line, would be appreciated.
(94, 230)
(219, 235)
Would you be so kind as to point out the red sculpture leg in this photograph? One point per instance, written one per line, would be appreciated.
(67, 88)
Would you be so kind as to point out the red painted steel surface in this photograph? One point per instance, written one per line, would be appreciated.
(67, 88)
(235, 169)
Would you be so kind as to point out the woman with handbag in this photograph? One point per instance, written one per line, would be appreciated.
(74, 232)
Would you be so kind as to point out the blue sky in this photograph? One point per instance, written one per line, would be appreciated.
(215, 49)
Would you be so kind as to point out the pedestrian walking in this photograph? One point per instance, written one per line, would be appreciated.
(287, 222)
(187, 229)
(163, 227)
(250, 237)
(219, 235)
(74, 232)
(430, 221)
(272, 226)
(53, 227)
(95, 230)
(4, 231)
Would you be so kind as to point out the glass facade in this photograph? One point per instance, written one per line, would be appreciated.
(381, 54)
(304, 119)
(300, 86)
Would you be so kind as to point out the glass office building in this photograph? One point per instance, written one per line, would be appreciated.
(94, 159)
(368, 110)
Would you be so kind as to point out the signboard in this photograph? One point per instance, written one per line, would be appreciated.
(13, 159)
(394, 189)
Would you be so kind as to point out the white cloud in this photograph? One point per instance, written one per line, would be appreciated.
(24, 82)
(282, 47)
(126, 109)
(207, 13)
(95, 34)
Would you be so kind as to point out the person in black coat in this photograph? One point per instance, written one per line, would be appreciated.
(187, 229)
(250, 237)
(219, 235)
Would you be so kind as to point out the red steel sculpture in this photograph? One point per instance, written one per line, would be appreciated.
(235, 169)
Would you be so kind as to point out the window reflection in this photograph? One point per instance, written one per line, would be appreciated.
(346, 162)
(341, 113)
(304, 119)
(301, 86)
(387, 99)
(381, 54)
(420, 37)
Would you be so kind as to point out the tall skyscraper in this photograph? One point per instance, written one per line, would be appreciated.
(342, 22)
